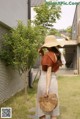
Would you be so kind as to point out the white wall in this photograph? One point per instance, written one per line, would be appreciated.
(78, 12)
(13, 10)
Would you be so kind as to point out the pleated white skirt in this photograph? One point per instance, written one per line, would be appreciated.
(41, 90)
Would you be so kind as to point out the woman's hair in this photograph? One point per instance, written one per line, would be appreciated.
(53, 49)
(56, 51)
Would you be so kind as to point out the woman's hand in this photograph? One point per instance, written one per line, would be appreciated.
(46, 93)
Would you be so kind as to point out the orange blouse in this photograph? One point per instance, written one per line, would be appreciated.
(49, 59)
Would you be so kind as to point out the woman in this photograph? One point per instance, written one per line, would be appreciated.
(50, 62)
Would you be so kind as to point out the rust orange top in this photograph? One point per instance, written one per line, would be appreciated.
(49, 59)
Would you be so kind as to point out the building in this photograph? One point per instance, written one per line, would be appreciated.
(13, 10)
(36, 2)
(10, 12)
(73, 49)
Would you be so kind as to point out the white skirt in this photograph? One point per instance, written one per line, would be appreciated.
(41, 91)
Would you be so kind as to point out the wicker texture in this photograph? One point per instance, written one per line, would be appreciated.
(48, 104)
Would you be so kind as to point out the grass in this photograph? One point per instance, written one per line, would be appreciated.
(69, 98)
(21, 104)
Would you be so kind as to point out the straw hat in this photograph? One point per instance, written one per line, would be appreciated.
(51, 41)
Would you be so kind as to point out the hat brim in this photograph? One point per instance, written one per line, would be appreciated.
(48, 45)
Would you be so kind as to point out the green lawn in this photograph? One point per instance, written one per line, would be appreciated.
(21, 104)
(69, 98)
(69, 94)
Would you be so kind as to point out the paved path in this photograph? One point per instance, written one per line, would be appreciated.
(61, 72)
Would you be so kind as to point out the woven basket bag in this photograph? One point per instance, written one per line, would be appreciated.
(49, 103)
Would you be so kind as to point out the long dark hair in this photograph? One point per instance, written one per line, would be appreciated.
(56, 51)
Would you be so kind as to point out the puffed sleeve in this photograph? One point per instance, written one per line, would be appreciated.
(48, 60)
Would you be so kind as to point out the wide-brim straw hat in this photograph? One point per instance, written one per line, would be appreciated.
(51, 41)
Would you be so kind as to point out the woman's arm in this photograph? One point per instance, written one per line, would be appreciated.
(48, 79)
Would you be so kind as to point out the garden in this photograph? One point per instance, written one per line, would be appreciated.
(23, 106)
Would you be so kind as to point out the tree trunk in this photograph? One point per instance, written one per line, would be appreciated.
(26, 81)
(30, 79)
(24, 77)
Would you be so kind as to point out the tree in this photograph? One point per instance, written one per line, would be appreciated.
(66, 33)
(54, 31)
(20, 46)
(69, 31)
(47, 14)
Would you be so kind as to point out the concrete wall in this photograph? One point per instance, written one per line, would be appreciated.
(78, 13)
(10, 12)
(76, 36)
(10, 80)
(78, 59)
(74, 26)
(37, 2)
(13, 10)
(78, 17)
